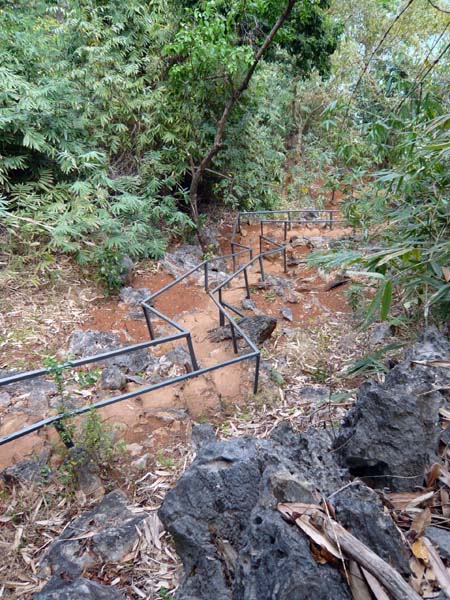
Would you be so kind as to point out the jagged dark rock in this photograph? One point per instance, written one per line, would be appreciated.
(83, 343)
(392, 432)
(112, 378)
(202, 434)
(134, 296)
(233, 542)
(115, 533)
(31, 396)
(25, 472)
(78, 589)
(258, 328)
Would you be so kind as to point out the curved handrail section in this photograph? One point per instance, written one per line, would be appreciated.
(215, 294)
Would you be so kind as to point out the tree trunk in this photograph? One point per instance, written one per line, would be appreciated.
(199, 171)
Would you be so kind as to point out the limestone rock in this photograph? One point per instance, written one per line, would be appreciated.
(113, 378)
(80, 588)
(392, 432)
(89, 342)
(233, 542)
(441, 539)
(114, 529)
(258, 328)
(134, 297)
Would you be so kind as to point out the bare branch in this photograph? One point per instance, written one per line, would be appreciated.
(440, 9)
(380, 43)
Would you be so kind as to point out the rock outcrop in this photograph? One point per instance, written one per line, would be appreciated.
(233, 542)
(258, 328)
(392, 432)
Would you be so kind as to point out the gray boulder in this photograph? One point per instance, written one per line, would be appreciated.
(182, 259)
(392, 432)
(258, 328)
(233, 542)
(78, 589)
(33, 395)
(34, 470)
(134, 297)
(84, 343)
(114, 528)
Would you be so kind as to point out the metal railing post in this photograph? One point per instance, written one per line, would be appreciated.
(247, 287)
(233, 337)
(149, 322)
(221, 315)
(206, 276)
(261, 267)
(192, 352)
(256, 380)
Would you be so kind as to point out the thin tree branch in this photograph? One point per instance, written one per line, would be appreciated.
(440, 9)
(427, 72)
(215, 148)
(378, 46)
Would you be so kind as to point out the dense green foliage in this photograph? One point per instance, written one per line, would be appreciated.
(105, 105)
(385, 142)
(106, 108)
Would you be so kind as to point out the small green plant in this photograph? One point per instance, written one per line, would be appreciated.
(64, 426)
(355, 297)
(95, 443)
(87, 378)
(110, 270)
(163, 593)
(371, 363)
(165, 461)
(270, 296)
(276, 377)
(99, 440)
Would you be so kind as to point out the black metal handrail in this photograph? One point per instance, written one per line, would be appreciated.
(149, 310)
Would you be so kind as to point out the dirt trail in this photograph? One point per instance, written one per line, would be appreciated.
(162, 414)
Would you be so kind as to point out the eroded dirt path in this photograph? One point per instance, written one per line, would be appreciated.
(165, 415)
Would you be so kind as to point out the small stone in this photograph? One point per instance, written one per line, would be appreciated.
(113, 379)
(258, 328)
(445, 436)
(279, 291)
(287, 314)
(134, 297)
(87, 473)
(248, 304)
(141, 463)
(292, 297)
(5, 399)
(134, 449)
(126, 269)
(381, 332)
